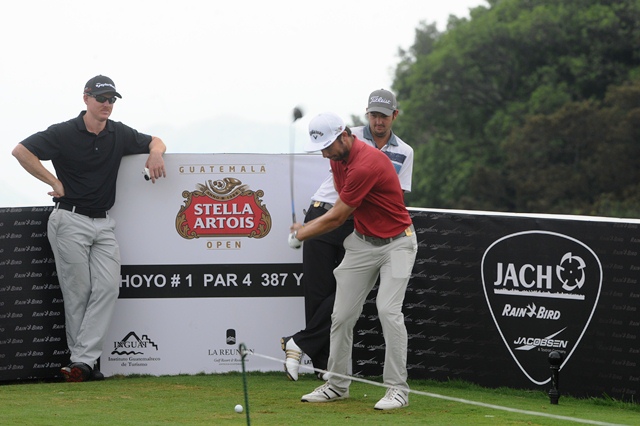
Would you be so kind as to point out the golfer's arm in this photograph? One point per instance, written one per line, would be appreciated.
(329, 221)
(33, 165)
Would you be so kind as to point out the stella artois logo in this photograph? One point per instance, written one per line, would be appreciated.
(223, 208)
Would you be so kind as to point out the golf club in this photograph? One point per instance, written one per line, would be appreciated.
(297, 114)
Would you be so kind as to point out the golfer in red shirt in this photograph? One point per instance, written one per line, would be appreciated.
(382, 244)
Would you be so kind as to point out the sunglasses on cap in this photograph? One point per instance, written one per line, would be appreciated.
(103, 99)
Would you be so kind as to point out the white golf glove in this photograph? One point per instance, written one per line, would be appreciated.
(293, 241)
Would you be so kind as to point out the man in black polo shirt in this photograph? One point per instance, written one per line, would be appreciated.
(86, 152)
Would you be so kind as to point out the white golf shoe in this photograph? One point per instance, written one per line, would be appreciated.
(394, 398)
(324, 393)
(293, 356)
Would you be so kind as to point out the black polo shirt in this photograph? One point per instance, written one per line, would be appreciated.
(87, 164)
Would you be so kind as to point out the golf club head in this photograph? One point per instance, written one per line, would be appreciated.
(297, 113)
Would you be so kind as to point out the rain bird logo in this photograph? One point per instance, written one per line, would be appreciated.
(531, 311)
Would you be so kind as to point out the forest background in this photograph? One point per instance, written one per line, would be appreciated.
(527, 106)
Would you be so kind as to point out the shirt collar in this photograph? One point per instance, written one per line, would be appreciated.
(81, 126)
(367, 135)
(355, 149)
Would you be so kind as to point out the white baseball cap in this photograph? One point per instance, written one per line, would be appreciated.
(324, 129)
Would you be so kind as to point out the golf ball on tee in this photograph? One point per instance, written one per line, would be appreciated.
(238, 408)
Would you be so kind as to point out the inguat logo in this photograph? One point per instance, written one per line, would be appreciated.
(542, 289)
(133, 345)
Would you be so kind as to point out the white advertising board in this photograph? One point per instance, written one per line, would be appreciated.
(206, 264)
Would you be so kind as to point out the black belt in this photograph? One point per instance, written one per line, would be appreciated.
(322, 205)
(383, 241)
(92, 213)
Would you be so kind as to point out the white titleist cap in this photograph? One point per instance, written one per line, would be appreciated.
(324, 129)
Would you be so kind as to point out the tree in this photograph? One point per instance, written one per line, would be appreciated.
(581, 159)
(465, 92)
(356, 121)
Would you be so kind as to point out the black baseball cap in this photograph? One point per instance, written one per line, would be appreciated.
(99, 85)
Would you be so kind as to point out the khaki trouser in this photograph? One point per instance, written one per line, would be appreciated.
(88, 265)
(355, 277)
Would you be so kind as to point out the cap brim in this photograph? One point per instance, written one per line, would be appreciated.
(315, 146)
(102, 92)
(385, 111)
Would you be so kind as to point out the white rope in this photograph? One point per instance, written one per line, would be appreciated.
(448, 398)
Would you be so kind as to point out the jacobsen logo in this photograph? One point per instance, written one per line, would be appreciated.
(528, 343)
(542, 289)
(223, 208)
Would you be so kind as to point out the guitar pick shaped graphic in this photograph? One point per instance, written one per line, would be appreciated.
(542, 289)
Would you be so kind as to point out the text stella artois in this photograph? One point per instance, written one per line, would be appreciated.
(223, 208)
(223, 215)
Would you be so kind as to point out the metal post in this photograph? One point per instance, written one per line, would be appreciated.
(555, 359)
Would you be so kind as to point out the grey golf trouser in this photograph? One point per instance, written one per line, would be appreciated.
(87, 259)
(355, 278)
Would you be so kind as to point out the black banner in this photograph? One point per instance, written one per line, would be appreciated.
(175, 281)
(491, 296)
(549, 284)
(33, 343)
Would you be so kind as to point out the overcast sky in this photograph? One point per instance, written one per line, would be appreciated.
(205, 76)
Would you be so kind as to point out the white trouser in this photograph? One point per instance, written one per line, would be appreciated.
(88, 265)
(355, 277)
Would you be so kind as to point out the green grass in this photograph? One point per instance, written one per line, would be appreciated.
(273, 400)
